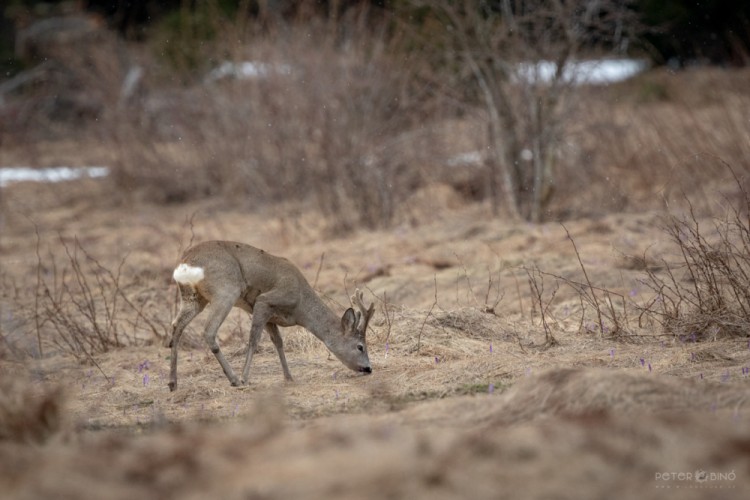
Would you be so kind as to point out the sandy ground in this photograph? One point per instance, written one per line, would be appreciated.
(466, 399)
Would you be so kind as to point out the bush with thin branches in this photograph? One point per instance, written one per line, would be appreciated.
(705, 292)
(81, 307)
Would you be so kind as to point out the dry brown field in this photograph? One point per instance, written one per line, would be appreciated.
(469, 397)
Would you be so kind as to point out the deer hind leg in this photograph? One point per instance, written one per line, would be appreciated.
(190, 307)
(219, 309)
(273, 331)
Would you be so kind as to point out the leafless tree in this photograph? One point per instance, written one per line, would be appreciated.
(519, 55)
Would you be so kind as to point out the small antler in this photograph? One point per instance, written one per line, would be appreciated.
(365, 313)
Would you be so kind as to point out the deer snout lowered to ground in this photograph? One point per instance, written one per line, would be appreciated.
(219, 275)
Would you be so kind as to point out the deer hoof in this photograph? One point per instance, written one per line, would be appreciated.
(172, 386)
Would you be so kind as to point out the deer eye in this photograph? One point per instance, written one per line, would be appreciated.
(361, 348)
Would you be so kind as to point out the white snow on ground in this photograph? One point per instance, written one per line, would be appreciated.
(10, 175)
(248, 70)
(594, 72)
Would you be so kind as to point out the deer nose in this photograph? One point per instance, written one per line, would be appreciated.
(367, 369)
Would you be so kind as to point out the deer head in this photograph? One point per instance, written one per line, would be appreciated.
(351, 349)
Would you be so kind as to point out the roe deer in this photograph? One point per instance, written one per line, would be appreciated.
(219, 275)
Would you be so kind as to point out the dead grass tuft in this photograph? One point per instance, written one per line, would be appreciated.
(29, 412)
(573, 392)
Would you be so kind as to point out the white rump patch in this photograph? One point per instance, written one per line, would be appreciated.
(185, 274)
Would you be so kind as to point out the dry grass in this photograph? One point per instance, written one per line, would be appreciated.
(476, 446)
(466, 398)
(646, 143)
(29, 413)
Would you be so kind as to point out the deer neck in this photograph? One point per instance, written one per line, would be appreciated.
(317, 318)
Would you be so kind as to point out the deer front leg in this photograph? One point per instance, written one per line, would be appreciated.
(261, 314)
(273, 331)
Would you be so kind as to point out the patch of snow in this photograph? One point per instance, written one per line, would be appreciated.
(594, 72)
(10, 175)
(465, 159)
(248, 70)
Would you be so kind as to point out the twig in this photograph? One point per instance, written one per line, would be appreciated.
(429, 313)
(320, 266)
(37, 322)
(537, 292)
(518, 292)
(588, 281)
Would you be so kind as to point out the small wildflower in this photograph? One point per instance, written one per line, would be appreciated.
(491, 388)
(643, 362)
(725, 376)
(490, 347)
(612, 353)
(649, 367)
(145, 380)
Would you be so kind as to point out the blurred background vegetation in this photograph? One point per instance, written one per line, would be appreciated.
(679, 31)
(357, 107)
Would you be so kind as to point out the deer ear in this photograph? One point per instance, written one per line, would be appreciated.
(349, 321)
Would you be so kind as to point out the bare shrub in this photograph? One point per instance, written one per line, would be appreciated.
(705, 293)
(517, 57)
(701, 294)
(81, 307)
(607, 309)
(540, 304)
(320, 115)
